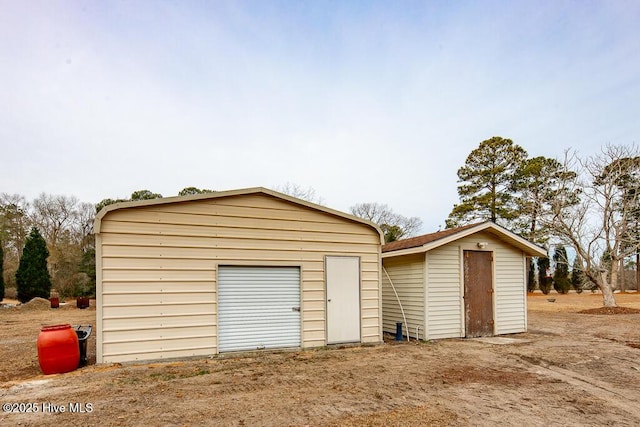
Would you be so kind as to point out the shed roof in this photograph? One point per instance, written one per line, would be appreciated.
(230, 193)
(431, 241)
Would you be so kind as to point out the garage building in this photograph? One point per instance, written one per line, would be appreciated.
(463, 282)
(233, 271)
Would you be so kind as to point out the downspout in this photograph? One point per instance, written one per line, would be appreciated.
(399, 303)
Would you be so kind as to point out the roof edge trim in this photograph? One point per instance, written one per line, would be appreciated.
(531, 248)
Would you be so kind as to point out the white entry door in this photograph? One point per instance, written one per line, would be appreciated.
(343, 299)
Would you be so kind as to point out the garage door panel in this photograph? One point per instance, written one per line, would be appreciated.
(258, 308)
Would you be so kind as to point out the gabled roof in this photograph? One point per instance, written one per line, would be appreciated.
(230, 193)
(431, 241)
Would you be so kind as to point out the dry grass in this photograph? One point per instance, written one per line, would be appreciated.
(574, 302)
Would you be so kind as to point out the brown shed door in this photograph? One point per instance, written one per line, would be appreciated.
(478, 293)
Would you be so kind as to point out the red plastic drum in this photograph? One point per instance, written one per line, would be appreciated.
(58, 349)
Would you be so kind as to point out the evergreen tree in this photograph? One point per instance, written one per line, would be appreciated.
(487, 181)
(86, 282)
(577, 276)
(561, 281)
(1, 272)
(138, 195)
(544, 281)
(531, 276)
(189, 191)
(32, 277)
(107, 202)
(145, 195)
(391, 232)
(538, 183)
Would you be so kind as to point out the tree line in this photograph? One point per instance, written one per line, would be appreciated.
(588, 204)
(48, 243)
(65, 225)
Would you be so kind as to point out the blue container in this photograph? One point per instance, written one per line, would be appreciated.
(399, 331)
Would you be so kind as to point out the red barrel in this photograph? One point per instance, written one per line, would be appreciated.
(58, 349)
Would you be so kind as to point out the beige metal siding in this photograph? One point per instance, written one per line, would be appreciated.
(510, 290)
(444, 293)
(407, 275)
(158, 270)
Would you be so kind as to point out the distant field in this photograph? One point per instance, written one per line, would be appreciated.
(573, 302)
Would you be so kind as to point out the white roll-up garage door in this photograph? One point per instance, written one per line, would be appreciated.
(258, 308)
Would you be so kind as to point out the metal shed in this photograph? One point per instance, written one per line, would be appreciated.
(463, 282)
(233, 271)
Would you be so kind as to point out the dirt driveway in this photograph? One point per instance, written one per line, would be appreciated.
(569, 369)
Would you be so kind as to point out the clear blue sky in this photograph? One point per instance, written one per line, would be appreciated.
(363, 101)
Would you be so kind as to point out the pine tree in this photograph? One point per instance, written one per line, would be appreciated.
(561, 281)
(32, 277)
(538, 183)
(86, 280)
(486, 183)
(1, 272)
(531, 276)
(544, 281)
(577, 276)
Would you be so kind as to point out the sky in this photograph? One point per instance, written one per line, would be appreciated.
(363, 101)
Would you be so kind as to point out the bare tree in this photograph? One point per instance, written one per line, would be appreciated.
(67, 227)
(597, 227)
(54, 215)
(393, 225)
(83, 224)
(309, 194)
